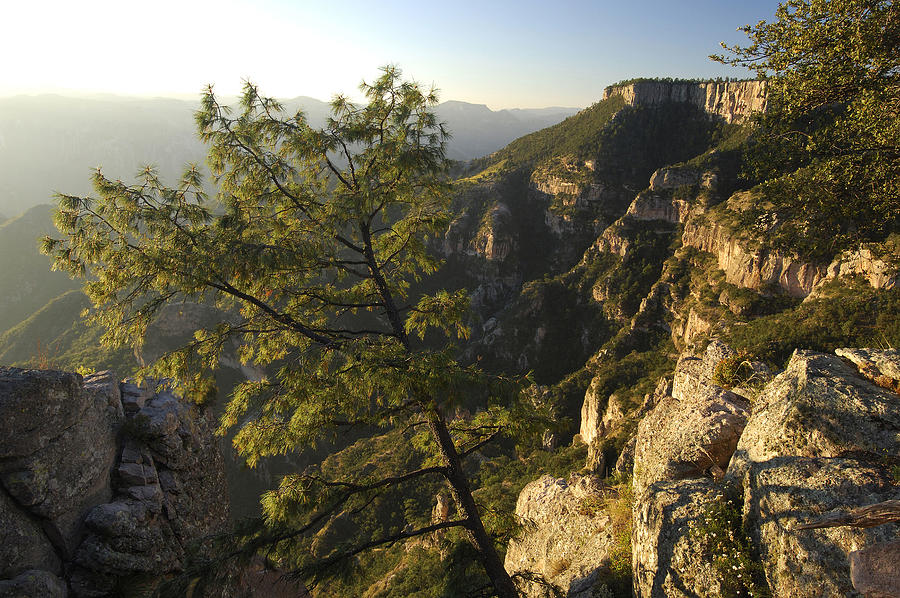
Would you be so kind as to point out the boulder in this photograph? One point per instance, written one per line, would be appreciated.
(99, 481)
(784, 492)
(34, 583)
(881, 366)
(57, 466)
(820, 438)
(567, 535)
(694, 430)
(875, 572)
(24, 544)
(819, 407)
(665, 560)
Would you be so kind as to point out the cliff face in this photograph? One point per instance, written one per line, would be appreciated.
(755, 268)
(734, 101)
(100, 480)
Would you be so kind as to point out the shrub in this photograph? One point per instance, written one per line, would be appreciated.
(736, 370)
(720, 537)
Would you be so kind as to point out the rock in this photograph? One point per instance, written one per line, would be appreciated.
(818, 407)
(746, 264)
(36, 407)
(784, 491)
(692, 431)
(648, 206)
(733, 101)
(495, 240)
(881, 366)
(625, 462)
(672, 177)
(59, 512)
(132, 474)
(34, 583)
(680, 440)
(567, 535)
(24, 544)
(61, 465)
(665, 560)
(817, 440)
(875, 570)
(105, 388)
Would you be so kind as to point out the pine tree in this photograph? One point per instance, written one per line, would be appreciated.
(829, 148)
(310, 249)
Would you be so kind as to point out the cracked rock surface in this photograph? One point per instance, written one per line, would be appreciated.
(100, 480)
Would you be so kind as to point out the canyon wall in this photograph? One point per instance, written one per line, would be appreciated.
(732, 100)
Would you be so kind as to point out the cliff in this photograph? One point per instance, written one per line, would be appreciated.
(734, 101)
(101, 481)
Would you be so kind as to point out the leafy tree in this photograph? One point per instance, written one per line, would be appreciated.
(311, 251)
(831, 136)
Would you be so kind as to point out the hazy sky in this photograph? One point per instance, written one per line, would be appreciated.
(502, 53)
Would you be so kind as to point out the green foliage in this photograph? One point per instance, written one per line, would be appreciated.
(54, 336)
(25, 281)
(719, 536)
(620, 508)
(828, 143)
(676, 80)
(644, 138)
(846, 315)
(577, 136)
(311, 247)
(736, 370)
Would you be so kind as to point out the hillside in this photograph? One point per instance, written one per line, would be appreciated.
(26, 282)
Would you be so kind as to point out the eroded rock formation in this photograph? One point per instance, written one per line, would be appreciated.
(732, 100)
(100, 480)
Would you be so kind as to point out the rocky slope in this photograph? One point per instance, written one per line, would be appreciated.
(776, 453)
(101, 482)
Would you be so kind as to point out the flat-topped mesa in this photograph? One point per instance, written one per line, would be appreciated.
(734, 101)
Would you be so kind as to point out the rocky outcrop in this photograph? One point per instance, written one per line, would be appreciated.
(99, 481)
(654, 206)
(747, 265)
(822, 436)
(567, 536)
(693, 431)
(665, 559)
(494, 240)
(873, 570)
(733, 101)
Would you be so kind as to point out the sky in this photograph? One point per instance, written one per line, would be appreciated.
(503, 53)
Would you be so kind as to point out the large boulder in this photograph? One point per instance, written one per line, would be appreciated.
(567, 536)
(784, 492)
(665, 559)
(692, 432)
(820, 437)
(59, 446)
(34, 583)
(819, 407)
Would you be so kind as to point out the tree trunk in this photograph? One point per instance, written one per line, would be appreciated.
(870, 516)
(462, 494)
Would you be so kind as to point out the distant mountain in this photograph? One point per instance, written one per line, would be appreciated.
(51, 143)
(477, 130)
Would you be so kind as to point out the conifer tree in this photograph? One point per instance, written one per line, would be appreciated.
(829, 144)
(310, 249)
